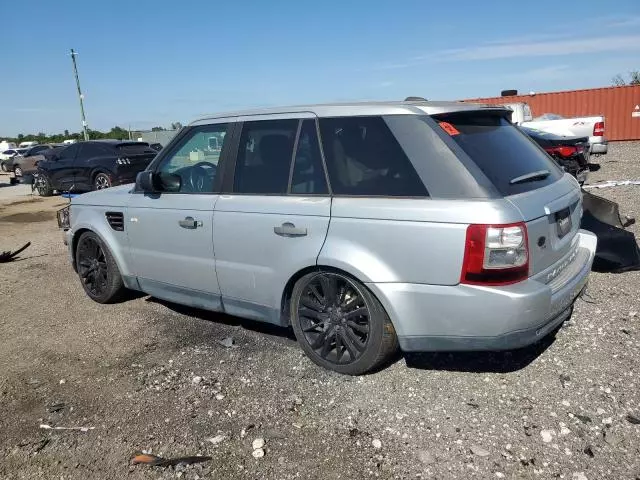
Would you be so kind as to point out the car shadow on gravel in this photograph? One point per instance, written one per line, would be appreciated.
(473, 362)
(480, 362)
(263, 328)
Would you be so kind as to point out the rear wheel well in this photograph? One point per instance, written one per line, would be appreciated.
(97, 172)
(288, 289)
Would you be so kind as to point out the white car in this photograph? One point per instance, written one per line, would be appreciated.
(591, 126)
(12, 152)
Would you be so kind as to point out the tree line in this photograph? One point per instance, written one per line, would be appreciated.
(116, 133)
(634, 79)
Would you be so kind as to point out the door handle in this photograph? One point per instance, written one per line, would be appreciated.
(188, 222)
(288, 229)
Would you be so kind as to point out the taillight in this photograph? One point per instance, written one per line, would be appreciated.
(565, 151)
(598, 129)
(495, 254)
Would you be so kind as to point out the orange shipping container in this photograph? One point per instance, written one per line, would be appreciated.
(619, 105)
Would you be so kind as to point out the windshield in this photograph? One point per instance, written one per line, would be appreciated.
(501, 151)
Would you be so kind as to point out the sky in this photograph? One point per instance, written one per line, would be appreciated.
(146, 63)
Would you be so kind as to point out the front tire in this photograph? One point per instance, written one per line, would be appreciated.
(97, 269)
(340, 324)
(101, 181)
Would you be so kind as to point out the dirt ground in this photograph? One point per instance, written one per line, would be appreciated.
(148, 375)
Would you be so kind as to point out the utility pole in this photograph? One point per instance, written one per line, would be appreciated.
(75, 71)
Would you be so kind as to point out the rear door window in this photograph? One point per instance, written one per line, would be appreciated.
(264, 157)
(365, 159)
(500, 150)
(138, 148)
(92, 150)
(69, 153)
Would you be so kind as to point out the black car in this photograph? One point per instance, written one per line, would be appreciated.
(92, 165)
(572, 153)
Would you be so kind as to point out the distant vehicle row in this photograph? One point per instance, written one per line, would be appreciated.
(91, 165)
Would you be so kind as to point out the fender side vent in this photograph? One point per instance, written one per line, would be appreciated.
(116, 220)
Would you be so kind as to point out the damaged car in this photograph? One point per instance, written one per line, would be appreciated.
(363, 227)
(572, 153)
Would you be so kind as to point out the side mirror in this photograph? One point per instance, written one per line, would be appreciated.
(147, 181)
(144, 182)
(170, 182)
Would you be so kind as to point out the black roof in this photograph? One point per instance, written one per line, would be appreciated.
(112, 141)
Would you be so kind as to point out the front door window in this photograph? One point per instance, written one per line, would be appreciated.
(196, 159)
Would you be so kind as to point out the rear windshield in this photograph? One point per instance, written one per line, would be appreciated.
(501, 151)
(138, 148)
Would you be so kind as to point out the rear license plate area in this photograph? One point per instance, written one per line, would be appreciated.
(563, 222)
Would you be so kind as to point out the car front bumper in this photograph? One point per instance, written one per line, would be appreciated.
(474, 318)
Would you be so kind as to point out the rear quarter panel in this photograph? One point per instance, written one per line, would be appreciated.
(406, 240)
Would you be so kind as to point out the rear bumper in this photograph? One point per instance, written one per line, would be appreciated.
(599, 148)
(466, 317)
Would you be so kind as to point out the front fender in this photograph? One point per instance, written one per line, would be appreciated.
(91, 217)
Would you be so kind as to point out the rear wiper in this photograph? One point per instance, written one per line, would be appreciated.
(530, 177)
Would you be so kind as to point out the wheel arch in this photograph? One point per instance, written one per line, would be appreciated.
(288, 289)
(98, 170)
(109, 241)
(74, 245)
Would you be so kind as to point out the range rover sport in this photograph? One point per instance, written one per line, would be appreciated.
(364, 227)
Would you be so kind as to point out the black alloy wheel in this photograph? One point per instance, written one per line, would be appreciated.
(101, 181)
(42, 185)
(97, 269)
(340, 324)
(92, 266)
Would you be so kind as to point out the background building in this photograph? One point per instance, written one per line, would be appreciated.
(160, 136)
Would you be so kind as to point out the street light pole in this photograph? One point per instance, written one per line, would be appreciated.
(84, 120)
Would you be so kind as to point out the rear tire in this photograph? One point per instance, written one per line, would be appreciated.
(101, 181)
(43, 185)
(3, 167)
(97, 270)
(340, 324)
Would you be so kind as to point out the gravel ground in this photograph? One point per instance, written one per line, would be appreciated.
(146, 375)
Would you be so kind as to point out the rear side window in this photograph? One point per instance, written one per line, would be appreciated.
(91, 150)
(264, 157)
(503, 153)
(35, 150)
(134, 148)
(365, 159)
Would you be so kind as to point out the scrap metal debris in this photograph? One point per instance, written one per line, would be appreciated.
(56, 407)
(9, 256)
(82, 429)
(228, 342)
(633, 419)
(617, 249)
(612, 183)
(155, 461)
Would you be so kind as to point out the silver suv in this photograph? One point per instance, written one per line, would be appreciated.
(435, 226)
